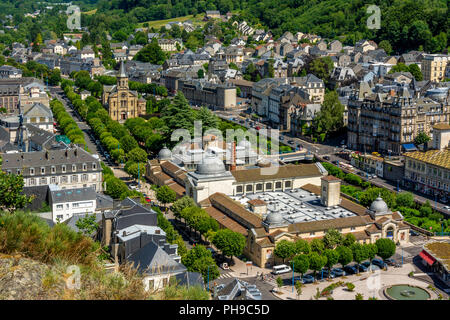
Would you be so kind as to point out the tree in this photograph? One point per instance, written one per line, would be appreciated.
(151, 53)
(332, 239)
(369, 196)
(321, 68)
(359, 253)
(371, 250)
(405, 199)
(230, 243)
(137, 155)
(128, 143)
(415, 71)
(279, 282)
(11, 192)
(421, 138)
(384, 44)
(115, 187)
(300, 263)
(200, 73)
(180, 204)
(87, 224)
(332, 258)
(298, 288)
(329, 118)
(154, 143)
(345, 255)
(208, 118)
(386, 248)
(349, 239)
(302, 246)
(165, 195)
(316, 262)
(199, 259)
(317, 246)
(285, 249)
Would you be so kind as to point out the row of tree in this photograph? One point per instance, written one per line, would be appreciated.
(332, 249)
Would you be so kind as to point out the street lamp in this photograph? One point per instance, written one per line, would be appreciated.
(293, 267)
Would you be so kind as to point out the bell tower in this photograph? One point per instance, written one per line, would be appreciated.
(122, 78)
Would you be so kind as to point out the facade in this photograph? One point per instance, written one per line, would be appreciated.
(203, 93)
(434, 67)
(68, 168)
(429, 171)
(384, 122)
(327, 210)
(72, 202)
(170, 44)
(121, 102)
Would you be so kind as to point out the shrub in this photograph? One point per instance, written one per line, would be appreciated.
(359, 296)
(350, 286)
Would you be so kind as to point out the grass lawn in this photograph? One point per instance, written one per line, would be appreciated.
(90, 12)
(159, 23)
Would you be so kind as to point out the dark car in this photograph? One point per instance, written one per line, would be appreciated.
(326, 158)
(366, 264)
(390, 262)
(350, 270)
(291, 141)
(413, 233)
(338, 272)
(326, 274)
(307, 278)
(213, 252)
(378, 263)
(362, 268)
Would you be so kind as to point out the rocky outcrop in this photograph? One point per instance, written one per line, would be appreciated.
(26, 279)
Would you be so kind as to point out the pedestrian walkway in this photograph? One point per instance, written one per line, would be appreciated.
(226, 275)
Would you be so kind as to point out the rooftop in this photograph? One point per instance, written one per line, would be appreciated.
(440, 251)
(440, 158)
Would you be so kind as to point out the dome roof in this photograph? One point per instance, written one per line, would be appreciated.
(165, 154)
(379, 206)
(274, 217)
(210, 165)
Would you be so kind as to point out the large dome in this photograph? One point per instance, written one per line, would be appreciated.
(379, 206)
(164, 154)
(210, 165)
(274, 217)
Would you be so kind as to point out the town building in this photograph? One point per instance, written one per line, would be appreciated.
(205, 93)
(389, 122)
(434, 67)
(436, 257)
(70, 167)
(429, 171)
(122, 103)
(66, 203)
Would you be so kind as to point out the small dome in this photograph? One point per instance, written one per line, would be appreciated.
(274, 217)
(210, 165)
(165, 154)
(379, 206)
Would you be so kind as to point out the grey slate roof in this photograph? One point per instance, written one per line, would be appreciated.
(72, 195)
(153, 260)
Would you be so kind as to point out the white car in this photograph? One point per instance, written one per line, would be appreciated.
(447, 208)
(282, 268)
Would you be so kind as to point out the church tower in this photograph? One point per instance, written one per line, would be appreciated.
(122, 78)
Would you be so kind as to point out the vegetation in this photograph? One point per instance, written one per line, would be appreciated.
(230, 243)
(386, 248)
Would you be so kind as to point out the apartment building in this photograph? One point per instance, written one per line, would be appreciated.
(204, 93)
(69, 168)
(429, 171)
(434, 66)
(387, 122)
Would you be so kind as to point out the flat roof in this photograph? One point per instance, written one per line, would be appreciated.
(440, 158)
(296, 205)
(440, 251)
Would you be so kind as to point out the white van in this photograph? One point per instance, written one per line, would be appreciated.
(282, 268)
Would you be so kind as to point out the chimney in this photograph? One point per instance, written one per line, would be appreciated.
(233, 156)
(330, 191)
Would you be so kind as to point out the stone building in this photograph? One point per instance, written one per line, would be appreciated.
(384, 122)
(122, 103)
(434, 66)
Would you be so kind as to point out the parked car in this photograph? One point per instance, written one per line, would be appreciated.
(391, 262)
(362, 268)
(326, 158)
(413, 233)
(282, 268)
(379, 263)
(350, 270)
(338, 272)
(291, 141)
(366, 264)
(447, 208)
(213, 252)
(307, 278)
(326, 274)
(281, 138)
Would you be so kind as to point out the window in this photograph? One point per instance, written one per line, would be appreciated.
(94, 166)
(74, 205)
(64, 179)
(59, 207)
(59, 217)
(249, 188)
(53, 169)
(94, 177)
(151, 284)
(32, 171)
(239, 189)
(312, 233)
(287, 184)
(278, 185)
(84, 177)
(32, 182)
(43, 181)
(63, 168)
(74, 167)
(352, 229)
(53, 180)
(84, 166)
(74, 178)
(268, 186)
(259, 187)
